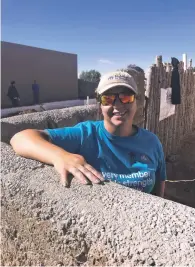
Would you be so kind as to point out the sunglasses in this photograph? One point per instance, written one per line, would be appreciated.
(109, 100)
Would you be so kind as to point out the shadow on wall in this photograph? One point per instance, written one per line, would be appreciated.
(86, 88)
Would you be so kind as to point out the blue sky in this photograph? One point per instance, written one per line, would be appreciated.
(106, 35)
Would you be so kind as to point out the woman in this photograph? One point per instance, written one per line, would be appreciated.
(93, 151)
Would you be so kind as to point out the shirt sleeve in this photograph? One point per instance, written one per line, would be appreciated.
(68, 138)
(161, 169)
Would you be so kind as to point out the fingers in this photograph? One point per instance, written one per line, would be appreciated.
(85, 174)
(65, 178)
(94, 179)
(94, 172)
(79, 175)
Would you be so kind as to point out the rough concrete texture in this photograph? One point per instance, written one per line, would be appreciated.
(11, 163)
(45, 223)
(46, 119)
(8, 112)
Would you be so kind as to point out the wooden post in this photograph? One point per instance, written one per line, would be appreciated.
(190, 63)
(185, 61)
(158, 61)
(87, 103)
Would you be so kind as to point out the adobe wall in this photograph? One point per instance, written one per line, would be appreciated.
(55, 72)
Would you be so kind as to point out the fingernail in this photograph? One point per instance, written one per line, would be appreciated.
(65, 184)
(86, 182)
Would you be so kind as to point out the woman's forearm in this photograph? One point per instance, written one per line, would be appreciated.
(35, 144)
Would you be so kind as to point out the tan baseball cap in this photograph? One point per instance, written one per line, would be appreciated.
(117, 78)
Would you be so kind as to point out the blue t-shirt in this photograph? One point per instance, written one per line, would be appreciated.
(135, 161)
(35, 87)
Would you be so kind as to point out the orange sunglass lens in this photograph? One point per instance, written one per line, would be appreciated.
(127, 98)
(107, 99)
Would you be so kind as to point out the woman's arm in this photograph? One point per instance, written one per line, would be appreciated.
(36, 145)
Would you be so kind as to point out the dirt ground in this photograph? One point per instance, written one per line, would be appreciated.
(180, 186)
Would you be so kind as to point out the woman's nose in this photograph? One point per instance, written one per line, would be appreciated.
(117, 102)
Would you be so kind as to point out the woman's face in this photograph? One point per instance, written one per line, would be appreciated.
(119, 113)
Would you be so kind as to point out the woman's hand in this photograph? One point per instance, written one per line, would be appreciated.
(77, 166)
(36, 145)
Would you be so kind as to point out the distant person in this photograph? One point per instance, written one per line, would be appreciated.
(35, 89)
(13, 94)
